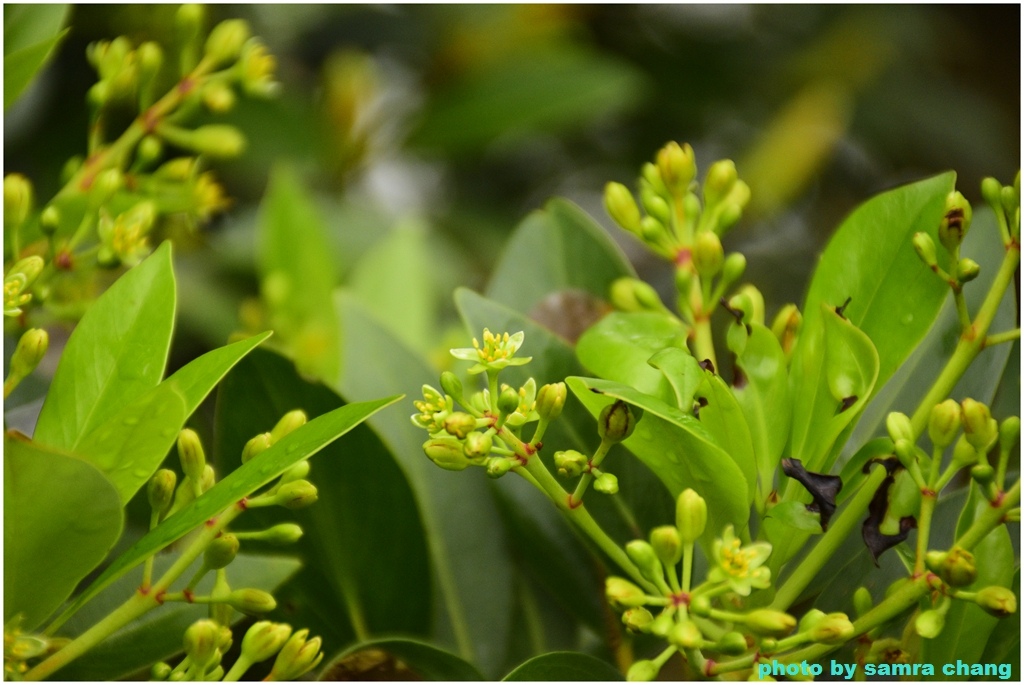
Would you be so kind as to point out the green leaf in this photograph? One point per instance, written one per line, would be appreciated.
(61, 517)
(619, 346)
(293, 448)
(31, 32)
(424, 660)
(116, 354)
(721, 415)
(471, 564)
(364, 546)
(544, 255)
(795, 515)
(853, 470)
(564, 666)
(297, 276)
(196, 379)
(524, 93)
(682, 371)
(679, 450)
(894, 297)
(156, 635)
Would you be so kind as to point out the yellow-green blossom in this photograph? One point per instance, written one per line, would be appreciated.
(497, 352)
(741, 567)
(434, 408)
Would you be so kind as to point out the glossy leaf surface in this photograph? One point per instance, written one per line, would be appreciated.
(391, 659)
(564, 666)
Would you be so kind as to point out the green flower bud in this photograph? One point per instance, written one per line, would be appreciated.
(720, 180)
(251, 601)
(190, 451)
(191, 16)
(221, 551)
(652, 231)
(160, 671)
(655, 205)
(461, 424)
(998, 601)
(983, 474)
(218, 97)
(616, 422)
(708, 255)
(499, 466)
(621, 207)
(1010, 199)
(1009, 433)
(933, 560)
(451, 384)
(295, 472)
(667, 544)
(446, 453)
(677, 167)
(161, 490)
(733, 267)
(661, 625)
(906, 453)
(929, 624)
(620, 592)
(899, 427)
(925, 248)
(220, 141)
(691, 516)
(49, 220)
(686, 635)
(570, 463)
(862, 601)
(551, 400)
(943, 423)
(263, 640)
(732, 644)
(606, 484)
(226, 40)
(834, 629)
(477, 445)
(642, 671)
(508, 402)
(649, 173)
(810, 619)
(992, 191)
(769, 622)
(642, 554)
(297, 657)
(17, 200)
(288, 423)
(967, 270)
(637, 618)
(200, 642)
(958, 568)
(151, 58)
(281, 534)
(956, 222)
(255, 446)
(30, 351)
(106, 184)
(700, 606)
(964, 453)
(296, 495)
(633, 295)
(980, 429)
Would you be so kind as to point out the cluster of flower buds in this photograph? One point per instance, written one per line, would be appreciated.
(1005, 202)
(615, 423)
(18, 281)
(956, 222)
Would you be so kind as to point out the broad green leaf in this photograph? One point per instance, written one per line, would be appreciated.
(31, 32)
(365, 550)
(471, 564)
(529, 92)
(762, 393)
(682, 371)
(721, 415)
(794, 515)
(297, 276)
(115, 355)
(545, 255)
(130, 446)
(894, 297)
(156, 635)
(679, 450)
(619, 346)
(61, 517)
(425, 661)
(196, 379)
(564, 666)
(293, 448)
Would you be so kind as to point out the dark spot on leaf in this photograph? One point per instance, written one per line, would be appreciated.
(596, 391)
(707, 365)
(736, 313)
(823, 488)
(842, 308)
(698, 404)
(875, 540)
(739, 379)
(847, 403)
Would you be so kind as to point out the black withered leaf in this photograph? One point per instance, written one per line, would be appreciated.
(823, 488)
(875, 540)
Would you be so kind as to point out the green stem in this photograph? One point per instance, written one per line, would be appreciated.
(738, 664)
(703, 343)
(924, 524)
(830, 541)
(687, 566)
(241, 665)
(588, 477)
(1005, 336)
(990, 518)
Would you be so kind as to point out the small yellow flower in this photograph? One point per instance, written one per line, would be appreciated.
(433, 409)
(741, 567)
(497, 352)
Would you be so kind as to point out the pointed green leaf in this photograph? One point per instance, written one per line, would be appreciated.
(424, 660)
(721, 415)
(31, 32)
(196, 379)
(682, 371)
(564, 666)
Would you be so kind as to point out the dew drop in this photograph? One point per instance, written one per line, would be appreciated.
(131, 421)
(907, 318)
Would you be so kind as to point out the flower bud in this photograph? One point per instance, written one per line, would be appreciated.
(251, 601)
(733, 267)
(255, 446)
(616, 422)
(980, 429)
(17, 200)
(633, 295)
(943, 423)
(662, 624)
(191, 16)
(655, 205)
(263, 640)
(691, 516)
(607, 484)
(933, 560)
(769, 622)
(160, 671)
(570, 463)
(288, 423)
(642, 671)
(296, 495)
(964, 453)
(451, 384)
(998, 601)
(297, 657)
(295, 472)
(929, 624)
(218, 97)
(708, 254)
(106, 184)
(637, 618)
(446, 453)
(862, 602)
(720, 180)
(1009, 432)
(621, 207)
(190, 451)
(281, 534)
(28, 268)
(906, 453)
(460, 424)
(700, 606)
(652, 231)
(29, 352)
(550, 400)
(221, 551)
(732, 643)
(983, 474)
(649, 173)
(499, 466)
(833, 629)
(958, 568)
(967, 270)
(200, 642)
(161, 490)
(642, 554)
(810, 619)
(226, 40)
(992, 191)
(49, 220)
(151, 58)
(899, 427)
(508, 402)
(677, 167)
(220, 141)
(623, 593)
(956, 222)
(477, 445)
(686, 635)
(925, 248)
(667, 544)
